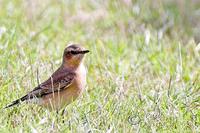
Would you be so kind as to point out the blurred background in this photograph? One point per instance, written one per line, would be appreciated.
(176, 19)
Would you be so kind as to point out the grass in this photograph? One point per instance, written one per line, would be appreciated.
(143, 69)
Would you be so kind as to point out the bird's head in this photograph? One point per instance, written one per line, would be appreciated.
(73, 55)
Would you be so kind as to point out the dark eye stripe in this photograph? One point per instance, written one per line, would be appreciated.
(73, 52)
(77, 52)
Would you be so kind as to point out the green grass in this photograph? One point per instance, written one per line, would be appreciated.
(143, 69)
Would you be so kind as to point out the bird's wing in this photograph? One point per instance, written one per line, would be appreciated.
(55, 83)
(60, 80)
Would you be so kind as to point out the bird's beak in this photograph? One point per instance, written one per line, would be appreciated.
(84, 52)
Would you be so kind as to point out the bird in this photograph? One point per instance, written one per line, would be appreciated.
(64, 86)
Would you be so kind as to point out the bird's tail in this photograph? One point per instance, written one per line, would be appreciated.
(16, 102)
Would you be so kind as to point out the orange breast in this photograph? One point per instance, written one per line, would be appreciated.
(60, 99)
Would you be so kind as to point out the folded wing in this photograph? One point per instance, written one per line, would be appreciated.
(60, 80)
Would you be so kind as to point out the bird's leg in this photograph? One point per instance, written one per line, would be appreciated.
(62, 114)
(57, 116)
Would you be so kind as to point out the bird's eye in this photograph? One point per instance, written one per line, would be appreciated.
(73, 52)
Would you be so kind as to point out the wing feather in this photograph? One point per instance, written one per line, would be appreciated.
(53, 84)
(60, 80)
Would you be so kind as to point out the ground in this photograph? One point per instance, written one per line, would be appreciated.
(143, 69)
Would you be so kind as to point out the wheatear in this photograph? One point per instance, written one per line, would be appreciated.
(65, 84)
